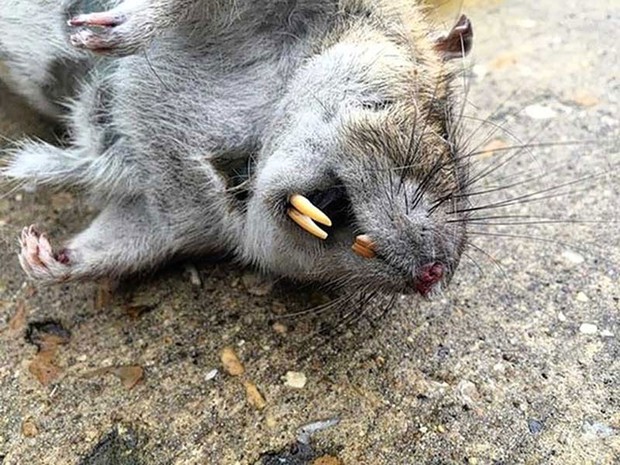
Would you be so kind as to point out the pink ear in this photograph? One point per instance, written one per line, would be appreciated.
(458, 42)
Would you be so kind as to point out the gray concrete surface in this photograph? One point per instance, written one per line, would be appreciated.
(517, 363)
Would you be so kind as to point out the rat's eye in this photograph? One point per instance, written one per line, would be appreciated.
(377, 105)
(330, 207)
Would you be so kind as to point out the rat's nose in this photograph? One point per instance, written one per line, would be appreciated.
(428, 275)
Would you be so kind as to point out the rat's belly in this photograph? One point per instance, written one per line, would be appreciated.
(211, 104)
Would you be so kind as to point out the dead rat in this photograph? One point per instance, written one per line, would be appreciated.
(316, 140)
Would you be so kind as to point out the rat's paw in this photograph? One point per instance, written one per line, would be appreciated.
(38, 259)
(115, 32)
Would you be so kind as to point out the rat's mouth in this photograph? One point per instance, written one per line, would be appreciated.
(331, 209)
(322, 212)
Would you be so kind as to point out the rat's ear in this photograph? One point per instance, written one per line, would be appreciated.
(458, 42)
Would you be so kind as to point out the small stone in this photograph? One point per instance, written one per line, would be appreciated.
(257, 285)
(537, 111)
(278, 308)
(441, 429)
(597, 430)
(211, 375)
(588, 328)
(572, 258)
(280, 328)
(607, 333)
(327, 460)
(499, 367)
(30, 429)
(130, 376)
(535, 426)
(194, 275)
(305, 433)
(431, 389)
(468, 393)
(583, 360)
(423, 429)
(472, 461)
(296, 380)
(585, 99)
(581, 297)
(271, 422)
(232, 364)
(255, 398)
(561, 317)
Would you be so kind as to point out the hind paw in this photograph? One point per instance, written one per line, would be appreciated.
(112, 32)
(38, 259)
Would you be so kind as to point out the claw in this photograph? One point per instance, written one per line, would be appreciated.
(103, 19)
(91, 41)
(37, 257)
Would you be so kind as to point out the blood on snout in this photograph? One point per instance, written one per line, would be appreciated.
(429, 275)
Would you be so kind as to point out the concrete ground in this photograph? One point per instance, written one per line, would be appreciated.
(517, 363)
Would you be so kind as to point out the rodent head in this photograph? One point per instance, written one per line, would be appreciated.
(364, 135)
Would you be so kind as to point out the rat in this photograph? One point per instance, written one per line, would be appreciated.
(315, 140)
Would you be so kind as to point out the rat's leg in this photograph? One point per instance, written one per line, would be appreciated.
(127, 28)
(124, 238)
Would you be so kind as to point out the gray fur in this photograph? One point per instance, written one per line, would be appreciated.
(35, 56)
(317, 92)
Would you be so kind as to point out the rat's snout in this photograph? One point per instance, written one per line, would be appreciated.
(408, 249)
(428, 276)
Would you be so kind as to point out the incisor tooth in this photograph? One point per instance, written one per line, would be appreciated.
(364, 246)
(363, 251)
(306, 223)
(365, 241)
(307, 208)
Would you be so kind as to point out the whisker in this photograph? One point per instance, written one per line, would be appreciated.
(493, 260)
(475, 262)
(530, 197)
(539, 239)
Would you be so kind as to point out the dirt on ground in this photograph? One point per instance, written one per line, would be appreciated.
(206, 363)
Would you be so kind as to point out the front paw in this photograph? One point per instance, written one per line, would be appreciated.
(38, 259)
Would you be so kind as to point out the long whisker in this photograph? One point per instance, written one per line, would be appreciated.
(493, 260)
(537, 239)
(530, 197)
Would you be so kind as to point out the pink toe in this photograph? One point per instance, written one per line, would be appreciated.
(104, 19)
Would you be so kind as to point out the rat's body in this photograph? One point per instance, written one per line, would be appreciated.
(220, 112)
